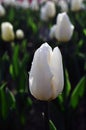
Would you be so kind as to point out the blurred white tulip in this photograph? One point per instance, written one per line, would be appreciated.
(25, 4)
(63, 5)
(76, 5)
(7, 32)
(19, 34)
(64, 28)
(46, 78)
(48, 10)
(34, 5)
(2, 11)
(9, 2)
(43, 14)
(53, 31)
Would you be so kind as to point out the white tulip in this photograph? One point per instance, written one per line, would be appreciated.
(76, 5)
(46, 75)
(53, 31)
(19, 34)
(43, 14)
(56, 1)
(7, 32)
(2, 11)
(25, 4)
(48, 10)
(63, 5)
(9, 2)
(64, 29)
(18, 4)
(34, 5)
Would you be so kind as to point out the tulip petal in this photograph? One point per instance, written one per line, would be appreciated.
(57, 70)
(40, 74)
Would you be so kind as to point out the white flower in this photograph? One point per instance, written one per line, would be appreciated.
(7, 32)
(53, 31)
(76, 5)
(34, 5)
(64, 28)
(9, 2)
(18, 4)
(43, 14)
(42, 1)
(56, 1)
(19, 34)
(25, 4)
(63, 5)
(2, 10)
(46, 76)
(48, 10)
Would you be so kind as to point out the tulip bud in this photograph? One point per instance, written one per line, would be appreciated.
(48, 10)
(2, 11)
(19, 34)
(76, 5)
(64, 29)
(46, 75)
(7, 32)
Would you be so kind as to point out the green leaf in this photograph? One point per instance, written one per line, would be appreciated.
(3, 102)
(84, 31)
(3, 86)
(78, 92)
(29, 102)
(11, 70)
(11, 99)
(32, 24)
(11, 14)
(80, 44)
(22, 81)
(16, 61)
(60, 99)
(51, 125)
(67, 84)
(7, 101)
(23, 74)
(24, 44)
(24, 61)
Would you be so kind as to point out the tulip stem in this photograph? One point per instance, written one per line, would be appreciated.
(46, 116)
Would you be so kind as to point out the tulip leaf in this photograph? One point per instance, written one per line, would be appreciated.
(22, 81)
(23, 75)
(80, 44)
(78, 92)
(11, 99)
(3, 86)
(11, 70)
(3, 102)
(24, 61)
(32, 24)
(51, 125)
(7, 101)
(16, 60)
(29, 102)
(84, 31)
(67, 84)
(11, 14)
(60, 99)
